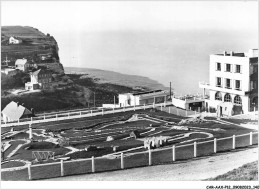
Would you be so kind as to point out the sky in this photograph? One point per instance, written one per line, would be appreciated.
(117, 15)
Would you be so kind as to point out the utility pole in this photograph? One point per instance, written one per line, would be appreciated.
(114, 101)
(94, 101)
(170, 91)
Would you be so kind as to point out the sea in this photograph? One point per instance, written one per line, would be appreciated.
(152, 58)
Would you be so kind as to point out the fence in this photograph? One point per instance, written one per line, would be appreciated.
(135, 159)
(79, 114)
(177, 111)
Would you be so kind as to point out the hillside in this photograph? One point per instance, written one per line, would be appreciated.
(80, 94)
(67, 91)
(33, 45)
(105, 76)
(22, 31)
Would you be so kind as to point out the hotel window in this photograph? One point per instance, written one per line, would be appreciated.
(238, 85)
(228, 83)
(238, 68)
(218, 82)
(255, 68)
(237, 100)
(228, 67)
(253, 85)
(218, 65)
(227, 98)
(218, 96)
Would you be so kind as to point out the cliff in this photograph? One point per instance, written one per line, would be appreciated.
(32, 45)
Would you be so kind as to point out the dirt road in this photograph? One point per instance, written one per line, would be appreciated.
(196, 169)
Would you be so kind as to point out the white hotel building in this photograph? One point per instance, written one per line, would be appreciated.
(233, 83)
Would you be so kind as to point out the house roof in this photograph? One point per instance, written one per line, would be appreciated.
(35, 73)
(20, 61)
(15, 111)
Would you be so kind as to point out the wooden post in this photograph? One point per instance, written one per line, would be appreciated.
(251, 139)
(169, 109)
(234, 142)
(215, 145)
(161, 107)
(61, 168)
(102, 111)
(91, 112)
(80, 113)
(144, 106)
(122, 160)
(56, 116)
(32, 118)
(93, 164)
(195, 149)
(43, 118)
(68, 115)
(173, 153)
(29, 171)
(150, 157)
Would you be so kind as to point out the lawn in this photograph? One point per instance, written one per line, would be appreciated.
(12, 164)
(247, 172)
(25, 152)
(97, 137)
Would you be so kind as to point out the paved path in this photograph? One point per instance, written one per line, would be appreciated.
(198, 169)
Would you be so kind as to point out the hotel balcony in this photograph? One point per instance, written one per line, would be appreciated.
(205, 85)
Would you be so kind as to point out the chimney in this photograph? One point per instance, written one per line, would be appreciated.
(231, 53)
(32, 110)
(224, 53)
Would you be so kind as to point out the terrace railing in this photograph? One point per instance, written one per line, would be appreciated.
(79, 114)
(122, 160)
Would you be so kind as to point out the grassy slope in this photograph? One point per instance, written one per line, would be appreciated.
(247, 172)
(81, 95)
(21, 31)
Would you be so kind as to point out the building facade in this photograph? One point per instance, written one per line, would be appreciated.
(40, 79)
(143, 98)
(15, 111)
(13, 40)
(233, 83)
(22, 64)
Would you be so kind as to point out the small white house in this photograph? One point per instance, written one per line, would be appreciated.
(188, 102)
(150, 97)
(22, 65)
(13, 40)
(15, 111)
